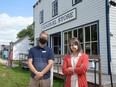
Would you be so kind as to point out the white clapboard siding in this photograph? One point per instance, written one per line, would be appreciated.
(21, 46)
(88, 11)
(113, 37)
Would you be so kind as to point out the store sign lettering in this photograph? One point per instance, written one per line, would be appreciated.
(68, 16)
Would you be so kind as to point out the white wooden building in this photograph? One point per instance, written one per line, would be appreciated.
(93, 22)
(21, 46)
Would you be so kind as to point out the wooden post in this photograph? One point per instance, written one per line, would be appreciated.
(98, 59)
(51, 77)
(100, 79)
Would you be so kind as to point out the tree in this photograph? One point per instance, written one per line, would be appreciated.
(29, 31)
(22, 33)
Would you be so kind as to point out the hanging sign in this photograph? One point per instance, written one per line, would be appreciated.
(68, 16)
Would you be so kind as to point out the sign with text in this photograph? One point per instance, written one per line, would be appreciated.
(68, 16)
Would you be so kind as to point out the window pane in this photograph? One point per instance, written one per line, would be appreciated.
(65, 38)
(87, 33)
(94, 32)
(75, 33)
(65, 49)
(69, 35)
(55, 50)
(82, 46)
(59, 41)
(76, 1)
(94, 48)
(55, 41)
(80, 35)
(87, 48)
(55, 8)
(41, 16)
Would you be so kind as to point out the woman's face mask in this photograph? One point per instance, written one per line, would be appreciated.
(42, 40)
(75, 47)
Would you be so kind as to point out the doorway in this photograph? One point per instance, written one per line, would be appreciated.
(56, 43)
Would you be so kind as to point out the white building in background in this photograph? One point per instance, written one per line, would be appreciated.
(93, 22)
(21, 46)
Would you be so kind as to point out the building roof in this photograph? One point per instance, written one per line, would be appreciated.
(19, 40)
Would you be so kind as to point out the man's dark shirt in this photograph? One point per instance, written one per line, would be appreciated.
(40, 58)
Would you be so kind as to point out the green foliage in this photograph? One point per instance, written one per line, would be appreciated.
(29, 31)
(22, 33)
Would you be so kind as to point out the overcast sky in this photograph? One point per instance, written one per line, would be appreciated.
(15, 15)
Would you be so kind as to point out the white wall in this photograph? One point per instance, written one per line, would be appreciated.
(21, 47)
(36, 21)
(113, 37)
(87, 11)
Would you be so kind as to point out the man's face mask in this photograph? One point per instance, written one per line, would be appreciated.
(42, 40)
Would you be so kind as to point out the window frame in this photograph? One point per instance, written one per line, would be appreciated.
(41, 17)
(89, 44)
(55, 9)
(74, 2)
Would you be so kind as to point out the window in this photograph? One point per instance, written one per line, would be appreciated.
(75, 1)
(67, 36)
(41, 17)
(75, 33)
(80, 34)
(55, 8)
(57, 44)
(87, 35)
(91, 40)
(94, 39)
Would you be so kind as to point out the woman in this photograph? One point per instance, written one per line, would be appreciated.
(75, 65)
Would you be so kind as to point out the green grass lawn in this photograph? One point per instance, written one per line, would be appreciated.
(16, 77)
(58, 82)
(13, 77)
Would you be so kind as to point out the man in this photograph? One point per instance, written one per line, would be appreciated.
(40, 61)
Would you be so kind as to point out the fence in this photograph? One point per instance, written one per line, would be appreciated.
(23, 60)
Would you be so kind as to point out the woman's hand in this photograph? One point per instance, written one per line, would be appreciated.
(71, 69)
